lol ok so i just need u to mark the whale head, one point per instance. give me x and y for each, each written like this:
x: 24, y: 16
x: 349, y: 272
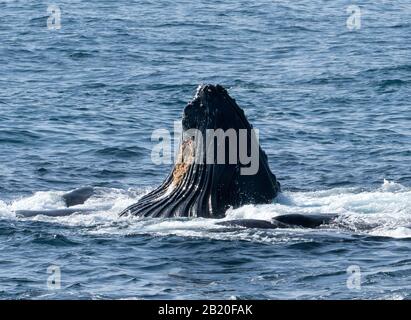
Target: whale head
x: 213, y: 108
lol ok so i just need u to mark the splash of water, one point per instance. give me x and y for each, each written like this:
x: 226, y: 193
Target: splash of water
x: 384, y: 211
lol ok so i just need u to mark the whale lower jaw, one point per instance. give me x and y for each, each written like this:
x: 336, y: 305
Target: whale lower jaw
x: 193, y: 196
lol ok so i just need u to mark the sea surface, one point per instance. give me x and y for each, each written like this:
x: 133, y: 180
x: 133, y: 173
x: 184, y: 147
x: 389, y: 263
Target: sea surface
x: 78, y: 106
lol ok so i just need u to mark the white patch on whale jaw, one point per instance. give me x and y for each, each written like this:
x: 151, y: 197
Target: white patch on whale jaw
x: 185, y: 159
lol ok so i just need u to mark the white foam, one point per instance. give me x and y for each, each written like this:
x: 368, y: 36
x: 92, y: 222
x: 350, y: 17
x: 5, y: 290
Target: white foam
x: 384, y: 211
x: 39, y: 201
x: 5, y: 211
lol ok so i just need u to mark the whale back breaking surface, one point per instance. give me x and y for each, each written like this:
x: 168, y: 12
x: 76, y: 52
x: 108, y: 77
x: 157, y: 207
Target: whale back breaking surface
x: 198, y: 187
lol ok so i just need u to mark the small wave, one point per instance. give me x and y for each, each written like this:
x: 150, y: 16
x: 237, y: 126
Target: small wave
x: 78, y: 55
x: 122, y: 152
x: 296, y: 28
x: 391, y: 83
x: 17, y: 136
x: 57, y: 240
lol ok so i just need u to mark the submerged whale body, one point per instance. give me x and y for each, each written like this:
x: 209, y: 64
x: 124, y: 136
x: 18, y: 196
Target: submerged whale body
x: 198, y: 188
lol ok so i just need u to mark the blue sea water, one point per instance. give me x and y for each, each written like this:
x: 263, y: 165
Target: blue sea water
x: 78, y: 106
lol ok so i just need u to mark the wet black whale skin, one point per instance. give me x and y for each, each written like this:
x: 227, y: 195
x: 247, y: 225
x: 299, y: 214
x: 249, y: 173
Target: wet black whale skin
x: 294, y: 220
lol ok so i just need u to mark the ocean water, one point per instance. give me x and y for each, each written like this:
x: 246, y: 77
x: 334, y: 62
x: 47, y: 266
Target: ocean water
x: 78, y: 106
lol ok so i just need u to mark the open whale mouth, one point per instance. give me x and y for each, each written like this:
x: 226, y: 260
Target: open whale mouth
x: 220, y: 163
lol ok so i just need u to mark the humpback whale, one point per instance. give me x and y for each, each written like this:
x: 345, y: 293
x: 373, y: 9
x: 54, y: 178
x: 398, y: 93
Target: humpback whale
x: 200, y: 185
x: 205, y: 187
